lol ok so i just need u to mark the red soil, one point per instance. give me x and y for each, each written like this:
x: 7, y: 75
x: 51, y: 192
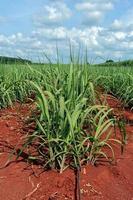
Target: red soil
x: 21, y: 181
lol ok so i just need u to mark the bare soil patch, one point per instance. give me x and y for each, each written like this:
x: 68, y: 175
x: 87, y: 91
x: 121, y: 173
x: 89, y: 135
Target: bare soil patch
x: 20, y: 180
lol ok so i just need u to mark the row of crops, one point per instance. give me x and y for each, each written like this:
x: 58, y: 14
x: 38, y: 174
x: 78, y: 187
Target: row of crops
x: 72, y: 121
x: 14, y: 80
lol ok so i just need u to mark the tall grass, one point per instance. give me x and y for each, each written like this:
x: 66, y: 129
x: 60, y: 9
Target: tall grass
x: 67, y: 102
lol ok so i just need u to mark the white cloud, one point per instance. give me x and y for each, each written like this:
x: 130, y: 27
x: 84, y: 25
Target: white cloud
x: 94, y: 6
x: 24, y: 46
x: 117, y: 24
x: 52, y: 14
x: 115, y: 41
x: 120, y: 35
x: 100, y: 41
x: 94, y: 10
x: 4, y: 41
x: 86, y: 36
x: 51, y: 34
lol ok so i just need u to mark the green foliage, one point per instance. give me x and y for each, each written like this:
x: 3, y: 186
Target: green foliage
x: 10, y: 60
x: 67, y: 102
x: 111, y: 63
x: 116, y: 81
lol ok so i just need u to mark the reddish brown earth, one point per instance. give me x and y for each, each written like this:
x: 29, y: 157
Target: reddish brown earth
x: 21, y: 181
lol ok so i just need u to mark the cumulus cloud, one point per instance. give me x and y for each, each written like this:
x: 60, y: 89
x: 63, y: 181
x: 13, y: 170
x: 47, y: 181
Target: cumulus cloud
x: 52, y: 14
x: 24, y: 46
x: 124, y: 22
x: 115, y: 39
x: 100, y: 41
x: 117, y: 24
x: 95, y: 5
x: 87, y: 36
x: 94, y: 10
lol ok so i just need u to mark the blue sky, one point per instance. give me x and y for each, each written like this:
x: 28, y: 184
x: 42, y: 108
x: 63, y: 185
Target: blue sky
x: 30, y: 27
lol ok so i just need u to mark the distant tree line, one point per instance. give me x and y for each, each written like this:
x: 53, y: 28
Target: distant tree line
x: 111, y: 63
x: 11, y: 60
